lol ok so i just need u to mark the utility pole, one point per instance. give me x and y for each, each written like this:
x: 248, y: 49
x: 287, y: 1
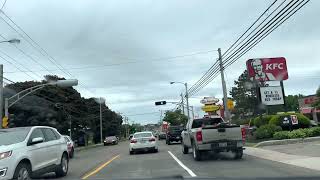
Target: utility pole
x: 192, y: 112
x: 1, y: 94
x: 187, y: 98
x: 224, y: 88
x: 182, y: 103
x: 101, y: 138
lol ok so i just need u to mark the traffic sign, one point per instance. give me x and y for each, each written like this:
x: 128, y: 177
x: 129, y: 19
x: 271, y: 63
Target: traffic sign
x: 230, y: 104
x: 210, y: 108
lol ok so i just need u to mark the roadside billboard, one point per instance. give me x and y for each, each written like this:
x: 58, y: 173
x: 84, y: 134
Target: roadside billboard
x: 271, y: 95
x: 267, y: 69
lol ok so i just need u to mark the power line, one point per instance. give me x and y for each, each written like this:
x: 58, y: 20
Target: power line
x: 131, y: 62
x: 198, y: 85
x: 214, y: 74
x: 15, y: 65
x: 5, y: 1
x: 275, y: 26
x: 225, y: 53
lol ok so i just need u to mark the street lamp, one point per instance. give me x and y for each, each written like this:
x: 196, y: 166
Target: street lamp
x: 100, y: 100
x: 1, y: 80
x: 13, y: 41
x: 26, y: 92
x: 187, y: 96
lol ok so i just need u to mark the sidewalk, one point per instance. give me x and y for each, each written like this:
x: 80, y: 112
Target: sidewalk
x: 310, y: 162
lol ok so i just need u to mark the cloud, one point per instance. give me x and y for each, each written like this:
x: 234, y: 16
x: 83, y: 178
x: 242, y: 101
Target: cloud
x: 126, y: 44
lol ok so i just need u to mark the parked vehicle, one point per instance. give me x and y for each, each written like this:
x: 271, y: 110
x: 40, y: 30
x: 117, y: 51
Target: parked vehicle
x: 212, y: 134
x: 110, y: 140
x: 26, y: 152
x: 143, y: 141
x: 70, y: 145
x: 174, y: 134
x: 162, y: 135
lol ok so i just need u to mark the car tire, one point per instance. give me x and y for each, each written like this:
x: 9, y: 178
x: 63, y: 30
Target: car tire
x: 71, y: 153
x: 63, y: 167
x: 131, y: 152
x: 196, y: 153
x: 185, y: 149
x: 238, y: 154
x: 156, y: 150
x: 169, y: 142
x: 22, y: 172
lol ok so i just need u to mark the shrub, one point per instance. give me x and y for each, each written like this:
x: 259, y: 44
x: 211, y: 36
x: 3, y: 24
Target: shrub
x: 260, y: 122
x: 266, y: 131
x: 303, y: 120
x: 281, y: 135
x: 298, y: 133
x: 315, y: 131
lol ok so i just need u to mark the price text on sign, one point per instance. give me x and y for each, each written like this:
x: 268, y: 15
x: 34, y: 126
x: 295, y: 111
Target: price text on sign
x: 271, y: 95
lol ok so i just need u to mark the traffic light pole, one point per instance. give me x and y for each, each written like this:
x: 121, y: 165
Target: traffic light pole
x: 224, y: 88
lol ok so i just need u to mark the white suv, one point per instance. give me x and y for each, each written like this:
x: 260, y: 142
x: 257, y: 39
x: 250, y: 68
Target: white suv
x: 26, y: 152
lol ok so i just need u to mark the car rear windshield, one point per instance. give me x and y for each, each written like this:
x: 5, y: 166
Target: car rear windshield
x: 175, y: 129
x: 142, y: 135
x: 197, y: 123
x: 13, y: 135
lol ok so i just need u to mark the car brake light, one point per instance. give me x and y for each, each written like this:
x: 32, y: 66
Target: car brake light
x: 243, y: 133
x: 133, y: 141
x: 199, y: 136
x: 152, y: 139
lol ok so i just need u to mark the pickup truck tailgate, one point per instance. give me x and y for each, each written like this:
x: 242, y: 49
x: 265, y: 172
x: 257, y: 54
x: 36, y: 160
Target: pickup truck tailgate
x: 226, y: 132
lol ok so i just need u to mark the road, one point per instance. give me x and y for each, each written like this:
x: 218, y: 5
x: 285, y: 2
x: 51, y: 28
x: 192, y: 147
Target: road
x: 114, y: 162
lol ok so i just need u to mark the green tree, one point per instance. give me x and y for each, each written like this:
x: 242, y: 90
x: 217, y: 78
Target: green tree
x: 56, y: 107
x: 245, y: 96
x: 317, y: 103
x: 175, y: 117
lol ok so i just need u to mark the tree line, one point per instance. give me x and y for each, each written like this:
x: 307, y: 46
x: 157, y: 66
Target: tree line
x: 62, y: 108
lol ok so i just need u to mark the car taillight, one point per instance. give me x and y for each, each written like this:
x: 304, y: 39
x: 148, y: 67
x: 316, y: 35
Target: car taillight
x: 152, y: 139
x: 199, y: 136
x: 243, y: 133
x: 133, y: 141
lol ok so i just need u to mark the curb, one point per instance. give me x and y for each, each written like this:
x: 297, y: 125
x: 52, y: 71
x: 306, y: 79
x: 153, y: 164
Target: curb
x: 77, y: 149
x: 287, y: 141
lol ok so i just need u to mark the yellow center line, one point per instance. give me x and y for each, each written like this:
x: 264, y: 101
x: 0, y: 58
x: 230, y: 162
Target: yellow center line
x: 99, y: 168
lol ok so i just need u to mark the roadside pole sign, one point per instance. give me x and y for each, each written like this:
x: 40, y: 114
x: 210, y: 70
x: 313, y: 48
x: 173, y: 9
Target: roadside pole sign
x: 267, y: 69
x: 209, y: 100
x: 294, y: 119
x: 271, y: 95
x: 230, y: 104
x: 210, y: 108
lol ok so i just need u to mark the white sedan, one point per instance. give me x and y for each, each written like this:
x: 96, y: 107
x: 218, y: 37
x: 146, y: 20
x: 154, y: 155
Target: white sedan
x: 143, y: 141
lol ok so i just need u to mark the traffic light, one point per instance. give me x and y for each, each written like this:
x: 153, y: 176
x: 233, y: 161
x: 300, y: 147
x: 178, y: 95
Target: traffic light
x: 160, y: 103
x: 5, y: 122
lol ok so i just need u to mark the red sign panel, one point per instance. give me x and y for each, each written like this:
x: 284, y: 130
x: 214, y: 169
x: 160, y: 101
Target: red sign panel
x: 268, y: 69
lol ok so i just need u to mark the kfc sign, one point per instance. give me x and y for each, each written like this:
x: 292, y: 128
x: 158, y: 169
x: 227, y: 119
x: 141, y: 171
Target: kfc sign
x: 267, y: 69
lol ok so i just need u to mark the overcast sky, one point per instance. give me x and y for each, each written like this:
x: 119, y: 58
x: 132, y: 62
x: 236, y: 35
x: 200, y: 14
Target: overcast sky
x: 121, y: 50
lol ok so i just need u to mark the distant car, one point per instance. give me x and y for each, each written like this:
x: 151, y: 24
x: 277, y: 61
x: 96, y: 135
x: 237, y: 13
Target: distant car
x: 70, y: 145
x: 162, y: 135
x: 143, y: 141
x: 26, y: 152
x: 174, y: 134
x: 110, y: 140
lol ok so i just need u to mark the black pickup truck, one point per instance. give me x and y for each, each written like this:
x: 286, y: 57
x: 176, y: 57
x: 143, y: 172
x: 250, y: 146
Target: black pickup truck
x: 174, y: 134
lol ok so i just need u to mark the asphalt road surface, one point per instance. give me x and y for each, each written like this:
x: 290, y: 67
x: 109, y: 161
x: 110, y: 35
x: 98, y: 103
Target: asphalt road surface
x: 114, y: 162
